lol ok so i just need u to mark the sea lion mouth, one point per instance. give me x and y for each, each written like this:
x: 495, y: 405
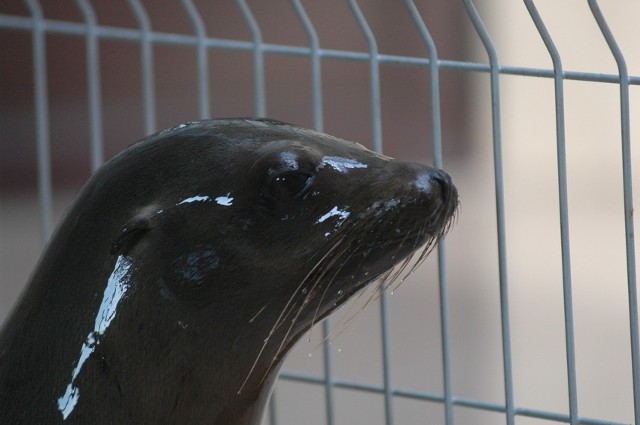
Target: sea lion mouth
x: 377, y: 244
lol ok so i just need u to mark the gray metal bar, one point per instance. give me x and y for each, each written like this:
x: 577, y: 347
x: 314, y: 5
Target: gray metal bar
x: 316, y: 72
x: 93, y: 85
x: 625, y: 137
x: 148, y: 83
x: 202, y: 58
x: 328, y: 372
x: 374, y: 74
x: 258, y: 58
x: 386, y: 356
x: 434, y: 80
x: 435, y: 398
x: 133, y: 35
x: 41, y: 93
x: 318, y: 124
x: 437, y: 157
x: 376, y: 123
x: 273, y: 419
x: 564, y: 210
x: 500, y: 214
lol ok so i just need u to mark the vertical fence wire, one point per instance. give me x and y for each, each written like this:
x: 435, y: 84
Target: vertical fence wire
x: 434, y: 80
x: 148, y: 82
x: 564, y: 209
x: 318, y: 125
x: 376, y: 122
x: 374, y: 74
x: 482, y: 32
x: 625, y: 134
x: 258, y: 58
x: 96, y: 142
x: 273, y: 418
x: 436, y: 128
x: 202, y: 58
x: 41, y: 93
x: 316, y: 71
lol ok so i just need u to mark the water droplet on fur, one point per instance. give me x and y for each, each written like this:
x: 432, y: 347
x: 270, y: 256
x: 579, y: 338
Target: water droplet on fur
x: 308, y: 339
x: 392, y: 292
x: 340, y: 292
x: 304, y: 290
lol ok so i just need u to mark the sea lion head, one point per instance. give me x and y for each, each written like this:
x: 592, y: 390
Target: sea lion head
x: 277, y: 216
x: 280, y: 220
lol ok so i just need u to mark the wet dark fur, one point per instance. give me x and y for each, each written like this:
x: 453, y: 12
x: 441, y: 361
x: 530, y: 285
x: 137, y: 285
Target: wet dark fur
x: 239, y: 236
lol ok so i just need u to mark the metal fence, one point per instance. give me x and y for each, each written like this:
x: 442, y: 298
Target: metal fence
x: 493, y: 69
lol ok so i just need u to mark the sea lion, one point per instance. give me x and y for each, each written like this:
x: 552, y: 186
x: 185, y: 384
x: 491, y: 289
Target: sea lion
x: 190, y: 263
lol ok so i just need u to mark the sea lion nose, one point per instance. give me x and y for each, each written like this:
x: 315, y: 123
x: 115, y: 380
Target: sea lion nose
x: 437, y: 184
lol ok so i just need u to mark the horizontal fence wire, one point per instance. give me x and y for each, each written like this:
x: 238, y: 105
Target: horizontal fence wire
x: 437, y: 398
x: 160, y: 38
x: 39, y: 27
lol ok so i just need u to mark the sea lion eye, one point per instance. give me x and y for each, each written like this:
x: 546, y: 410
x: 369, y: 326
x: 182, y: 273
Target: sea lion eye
x: 290, y: 184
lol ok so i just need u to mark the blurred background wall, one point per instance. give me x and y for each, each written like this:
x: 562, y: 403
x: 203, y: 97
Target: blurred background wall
x: 528, y: 131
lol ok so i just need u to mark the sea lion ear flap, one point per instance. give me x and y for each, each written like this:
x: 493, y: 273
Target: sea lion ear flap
x: 132, y: 231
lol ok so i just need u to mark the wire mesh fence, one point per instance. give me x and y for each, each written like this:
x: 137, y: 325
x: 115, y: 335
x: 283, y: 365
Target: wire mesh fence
x: 39, y: 24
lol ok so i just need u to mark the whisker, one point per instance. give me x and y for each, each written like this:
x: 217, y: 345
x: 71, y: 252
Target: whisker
x: 259, y: 312
x: 271, y: 332
x: 326, y: 289
x: 345, y: 320
x: 419, y: 241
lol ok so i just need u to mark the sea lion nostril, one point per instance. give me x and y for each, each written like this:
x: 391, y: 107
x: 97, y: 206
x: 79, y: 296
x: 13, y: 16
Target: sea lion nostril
x: 436, y: 183
x: 444, y: 183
